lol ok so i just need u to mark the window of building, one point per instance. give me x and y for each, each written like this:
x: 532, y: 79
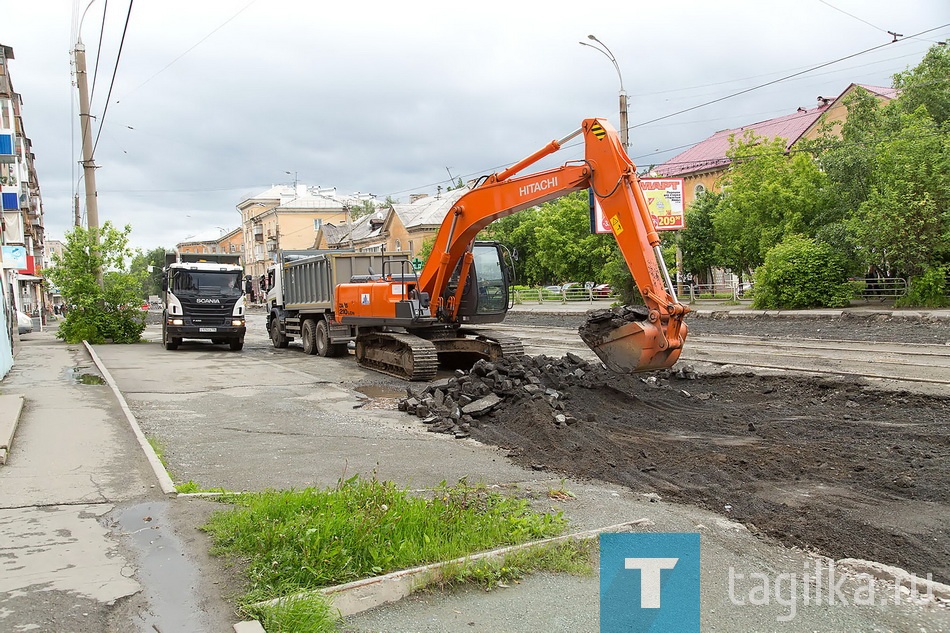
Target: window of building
x: 699, y: 189
x: 317, y: 223
x: 398, y: 246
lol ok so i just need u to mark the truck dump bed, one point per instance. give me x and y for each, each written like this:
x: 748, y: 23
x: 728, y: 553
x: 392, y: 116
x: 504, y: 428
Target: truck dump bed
x: 309, y: 281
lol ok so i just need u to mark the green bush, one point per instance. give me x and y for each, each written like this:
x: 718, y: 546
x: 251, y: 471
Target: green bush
x: 801, y: 273
x: 928, y: 290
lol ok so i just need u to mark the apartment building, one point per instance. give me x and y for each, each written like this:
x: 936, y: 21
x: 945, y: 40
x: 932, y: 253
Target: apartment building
x: 21, y: 222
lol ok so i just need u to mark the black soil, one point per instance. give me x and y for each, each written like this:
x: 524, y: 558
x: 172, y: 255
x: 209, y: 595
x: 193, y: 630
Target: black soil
x: 834, y: 467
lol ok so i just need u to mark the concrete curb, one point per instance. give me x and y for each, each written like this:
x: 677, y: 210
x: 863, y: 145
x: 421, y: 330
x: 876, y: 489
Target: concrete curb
x: 361, y: 595
x: 915, y: 585
x: 168, y: 486
x: 10, y: 408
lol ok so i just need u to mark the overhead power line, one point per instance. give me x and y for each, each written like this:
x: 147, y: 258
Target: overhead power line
x: 193, y: 47
x: 95, y: 72
x: 780, y: 79
x: 828, y: 4
x: 118, y: 56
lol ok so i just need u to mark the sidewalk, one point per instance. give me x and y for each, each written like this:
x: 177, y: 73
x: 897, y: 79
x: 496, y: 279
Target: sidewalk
x: 73, y: 475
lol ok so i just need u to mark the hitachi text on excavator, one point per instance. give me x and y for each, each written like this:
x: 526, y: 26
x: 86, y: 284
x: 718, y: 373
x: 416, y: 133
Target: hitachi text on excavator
x: 405, y: 322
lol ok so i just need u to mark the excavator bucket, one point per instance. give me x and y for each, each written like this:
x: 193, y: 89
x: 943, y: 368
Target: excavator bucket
x: 626, y: 341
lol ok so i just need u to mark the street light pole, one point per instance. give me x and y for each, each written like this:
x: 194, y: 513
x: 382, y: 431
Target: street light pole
x: 623, y: 94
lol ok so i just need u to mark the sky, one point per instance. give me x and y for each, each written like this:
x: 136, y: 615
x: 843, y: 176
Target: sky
x: 217, y: 100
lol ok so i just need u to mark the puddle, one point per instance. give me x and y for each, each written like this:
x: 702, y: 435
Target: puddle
x: 381, y: 396
x: 378, y: 392
x: 75, y: 374
x: 164, y: 568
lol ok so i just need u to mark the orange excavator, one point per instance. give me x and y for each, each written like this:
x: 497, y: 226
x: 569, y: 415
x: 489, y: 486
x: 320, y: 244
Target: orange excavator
x: 406, y: 322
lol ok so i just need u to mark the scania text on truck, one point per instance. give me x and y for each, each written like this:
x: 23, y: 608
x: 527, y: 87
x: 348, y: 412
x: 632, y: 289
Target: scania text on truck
x: 203, y: 298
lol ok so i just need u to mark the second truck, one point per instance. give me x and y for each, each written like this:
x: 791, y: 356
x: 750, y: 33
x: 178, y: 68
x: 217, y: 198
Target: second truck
x: 405, y: 323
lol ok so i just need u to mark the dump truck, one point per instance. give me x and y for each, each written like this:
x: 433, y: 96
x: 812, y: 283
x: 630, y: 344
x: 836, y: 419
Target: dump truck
x: 203, y: 298
x: 300, y: 295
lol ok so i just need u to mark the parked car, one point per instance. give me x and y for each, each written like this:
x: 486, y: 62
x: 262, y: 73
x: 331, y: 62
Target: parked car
x: 24, y: 322
x: 553, y: 289
x: 602, y: 291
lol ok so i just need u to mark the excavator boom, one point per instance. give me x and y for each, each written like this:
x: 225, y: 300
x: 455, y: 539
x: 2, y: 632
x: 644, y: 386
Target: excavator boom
x: 632, y: 340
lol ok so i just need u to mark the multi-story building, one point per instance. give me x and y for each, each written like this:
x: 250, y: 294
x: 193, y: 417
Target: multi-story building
x: 231, y: 242
x: 288, y: 218
x: 21, y: 226
x: 401, y: 227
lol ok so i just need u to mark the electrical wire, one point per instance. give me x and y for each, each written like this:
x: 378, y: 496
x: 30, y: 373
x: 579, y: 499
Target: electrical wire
x: 193, y: 47
x: 118, y: 57
x: 775, y: 81
x: 853, y: 16
x: 95, y: 72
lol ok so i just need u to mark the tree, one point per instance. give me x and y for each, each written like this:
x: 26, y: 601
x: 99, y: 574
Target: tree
x: 770, y: 194
x: 927, y: 85
x: 892, y: 172
x: 698, y: 239
x: 98, y: 314
x: 564, y: 247
x: 151, y: 281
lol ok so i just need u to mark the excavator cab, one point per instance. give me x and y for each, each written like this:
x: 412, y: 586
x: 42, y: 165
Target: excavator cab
x: 485, y: 296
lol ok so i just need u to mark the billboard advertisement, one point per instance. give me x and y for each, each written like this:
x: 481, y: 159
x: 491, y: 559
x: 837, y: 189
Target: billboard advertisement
x: 664, y: 198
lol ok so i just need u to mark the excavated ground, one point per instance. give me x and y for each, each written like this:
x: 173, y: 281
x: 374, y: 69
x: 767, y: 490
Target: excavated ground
x: 829, y: 466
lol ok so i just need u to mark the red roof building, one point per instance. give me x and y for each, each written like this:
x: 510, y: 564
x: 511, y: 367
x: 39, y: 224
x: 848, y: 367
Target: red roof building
x: 702, y: 164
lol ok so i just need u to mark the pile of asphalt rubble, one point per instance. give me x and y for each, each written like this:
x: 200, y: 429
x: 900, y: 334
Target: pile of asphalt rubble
x: 454, y: 405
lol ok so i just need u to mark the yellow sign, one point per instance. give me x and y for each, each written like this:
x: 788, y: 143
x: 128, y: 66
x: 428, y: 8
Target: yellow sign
x: 615, y: 223
x: 664, y: 198
x: 597, y: 130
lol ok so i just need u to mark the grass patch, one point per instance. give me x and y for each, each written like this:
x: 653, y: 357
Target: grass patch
x: 159, y: 449
x: 296, y: 541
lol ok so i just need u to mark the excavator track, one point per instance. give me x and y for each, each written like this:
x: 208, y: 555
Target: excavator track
x: 502, y: 346
x: 401, y: 355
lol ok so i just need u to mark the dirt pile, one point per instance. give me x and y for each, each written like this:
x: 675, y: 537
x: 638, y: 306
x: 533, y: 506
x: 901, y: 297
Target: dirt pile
x: 454, y: 405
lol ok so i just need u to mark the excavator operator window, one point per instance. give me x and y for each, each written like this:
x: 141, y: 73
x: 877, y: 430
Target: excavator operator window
x: 490, y: 278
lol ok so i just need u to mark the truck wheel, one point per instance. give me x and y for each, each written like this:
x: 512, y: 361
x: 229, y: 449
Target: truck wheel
x: 169, y: 343
x: 324, y: 346
x: 276, y: 338
x: 236, y: 344
x: 308, y: 337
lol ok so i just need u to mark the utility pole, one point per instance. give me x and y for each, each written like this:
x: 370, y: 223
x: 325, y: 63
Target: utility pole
x: 606, y: 52
x: 77, y: 219
x: 88, y: 162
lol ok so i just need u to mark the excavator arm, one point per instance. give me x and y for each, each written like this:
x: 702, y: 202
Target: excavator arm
x: 654, y: 337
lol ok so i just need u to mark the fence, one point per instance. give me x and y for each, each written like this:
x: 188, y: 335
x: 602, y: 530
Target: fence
x: 871, y: 289
x: 879, y: 288
x: 572, y: 294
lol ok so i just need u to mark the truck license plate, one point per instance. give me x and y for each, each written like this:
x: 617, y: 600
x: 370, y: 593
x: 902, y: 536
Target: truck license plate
x: 207, y: 329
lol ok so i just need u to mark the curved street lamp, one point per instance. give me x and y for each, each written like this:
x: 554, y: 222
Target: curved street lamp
x: 623, y: 95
